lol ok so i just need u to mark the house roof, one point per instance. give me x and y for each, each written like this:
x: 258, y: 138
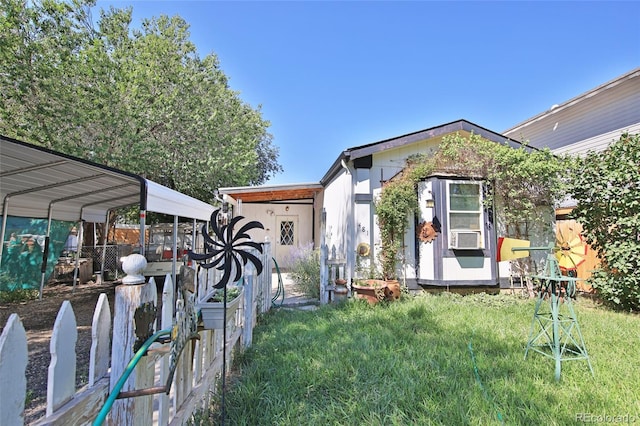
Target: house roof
x: 361, y: 151
x: 38, y: 182
x: 591, y: 120
x: 273, y: 193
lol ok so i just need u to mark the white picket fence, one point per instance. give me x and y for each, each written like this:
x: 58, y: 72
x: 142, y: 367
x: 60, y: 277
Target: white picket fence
x: 197, y: 370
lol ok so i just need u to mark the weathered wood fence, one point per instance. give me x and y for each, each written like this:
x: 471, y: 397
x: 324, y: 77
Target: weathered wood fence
x: 196, y: 370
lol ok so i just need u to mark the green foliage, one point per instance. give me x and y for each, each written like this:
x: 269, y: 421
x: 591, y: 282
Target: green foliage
x: 139, y: 99
x: 304, y: 266
x: 607, y: 190
x: 394, y: 207
x: 520, y: 180
x: 218, y: 295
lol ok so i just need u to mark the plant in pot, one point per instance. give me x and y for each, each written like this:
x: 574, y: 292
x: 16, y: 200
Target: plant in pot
x: 396, y: 203
x: 212, y: 308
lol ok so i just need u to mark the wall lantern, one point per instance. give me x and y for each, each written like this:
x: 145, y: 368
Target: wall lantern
x: 430, y: 203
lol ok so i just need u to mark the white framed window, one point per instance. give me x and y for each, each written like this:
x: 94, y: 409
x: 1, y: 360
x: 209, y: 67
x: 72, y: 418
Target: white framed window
x: 465, y: 215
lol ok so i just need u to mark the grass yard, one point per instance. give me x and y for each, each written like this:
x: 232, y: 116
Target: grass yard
x: 431, y: 360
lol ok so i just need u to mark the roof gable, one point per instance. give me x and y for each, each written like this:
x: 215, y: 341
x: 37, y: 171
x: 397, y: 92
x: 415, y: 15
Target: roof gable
x: 354, y: 153
x: 608, y: 109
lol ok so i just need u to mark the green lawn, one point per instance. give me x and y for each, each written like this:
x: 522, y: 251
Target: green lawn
x: 442, y: 360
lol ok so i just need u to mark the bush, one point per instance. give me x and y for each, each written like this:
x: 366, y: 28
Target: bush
x: 304, y: 264
x: 607, y: 189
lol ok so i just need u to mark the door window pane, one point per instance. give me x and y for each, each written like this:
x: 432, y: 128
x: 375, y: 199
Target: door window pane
x: 286, y: 233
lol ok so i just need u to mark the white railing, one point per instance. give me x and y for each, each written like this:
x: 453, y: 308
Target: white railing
x: 196, y: 370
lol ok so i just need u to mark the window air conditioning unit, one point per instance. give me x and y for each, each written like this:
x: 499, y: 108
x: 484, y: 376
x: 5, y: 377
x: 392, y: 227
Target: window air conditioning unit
x: 465, y: 240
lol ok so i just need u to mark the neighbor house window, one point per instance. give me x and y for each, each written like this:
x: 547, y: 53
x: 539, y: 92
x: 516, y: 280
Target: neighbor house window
x: 465, y: 215
x: 286, y: 233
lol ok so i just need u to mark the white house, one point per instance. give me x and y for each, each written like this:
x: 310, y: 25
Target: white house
x: 458, y: 256
x: 289, y: 214
x: 588, y: 122
x: 464, y: 251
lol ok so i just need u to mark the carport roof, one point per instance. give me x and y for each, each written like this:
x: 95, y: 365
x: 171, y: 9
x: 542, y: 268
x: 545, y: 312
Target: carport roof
x: 38, y: 182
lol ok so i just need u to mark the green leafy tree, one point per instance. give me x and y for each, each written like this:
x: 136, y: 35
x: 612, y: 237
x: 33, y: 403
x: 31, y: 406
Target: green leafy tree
x: 139, y: 99
x: 607, y: 190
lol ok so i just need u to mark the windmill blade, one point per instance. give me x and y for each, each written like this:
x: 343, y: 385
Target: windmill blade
x: 576, y: 241
x: 506, y: 248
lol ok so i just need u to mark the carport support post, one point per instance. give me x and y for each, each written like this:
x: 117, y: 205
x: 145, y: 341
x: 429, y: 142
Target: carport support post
x: 45, y: 253
x: 143, y: 214
x: 4, y: 226
x: 104, y: 244
x: 174, y: 249
x: 76, y: 270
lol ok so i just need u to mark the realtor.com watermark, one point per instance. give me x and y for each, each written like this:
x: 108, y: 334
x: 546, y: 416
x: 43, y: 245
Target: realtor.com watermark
x: 607, y: 418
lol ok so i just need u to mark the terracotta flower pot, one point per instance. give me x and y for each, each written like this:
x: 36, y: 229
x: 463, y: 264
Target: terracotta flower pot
x: 372, y: 291
x: 393, y: 291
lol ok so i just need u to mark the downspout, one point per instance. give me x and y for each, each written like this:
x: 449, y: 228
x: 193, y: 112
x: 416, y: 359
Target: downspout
x: 351, y: 220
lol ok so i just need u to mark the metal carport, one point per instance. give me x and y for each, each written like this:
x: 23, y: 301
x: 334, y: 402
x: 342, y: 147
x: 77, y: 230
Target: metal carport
x: 40, y: 183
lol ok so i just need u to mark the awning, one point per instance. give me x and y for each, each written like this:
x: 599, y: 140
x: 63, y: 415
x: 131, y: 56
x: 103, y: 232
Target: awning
x: 41, y: 183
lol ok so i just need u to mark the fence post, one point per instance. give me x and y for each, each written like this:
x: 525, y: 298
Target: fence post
x: 127, y: 299
x: 249, y: 308
x: 61, y: 384
x: 100, y: 339
x: 13, y: 364
x: 166, y: 318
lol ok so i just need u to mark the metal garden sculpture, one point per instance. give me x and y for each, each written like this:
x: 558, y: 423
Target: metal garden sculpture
x: 227, y: 252
x: 555, y: 332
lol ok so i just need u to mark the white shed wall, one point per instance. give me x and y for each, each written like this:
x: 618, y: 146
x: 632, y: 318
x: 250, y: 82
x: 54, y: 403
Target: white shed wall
x: 337, y: 204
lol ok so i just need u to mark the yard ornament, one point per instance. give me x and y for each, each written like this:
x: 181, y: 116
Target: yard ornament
x: 555, y: 332
x: 227, y: 252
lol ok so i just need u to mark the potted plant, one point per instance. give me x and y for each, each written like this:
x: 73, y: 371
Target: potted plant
x: 212, y: 306
x: 397, y: 202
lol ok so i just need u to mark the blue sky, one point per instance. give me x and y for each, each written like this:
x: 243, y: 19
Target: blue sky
x: 330, y: 75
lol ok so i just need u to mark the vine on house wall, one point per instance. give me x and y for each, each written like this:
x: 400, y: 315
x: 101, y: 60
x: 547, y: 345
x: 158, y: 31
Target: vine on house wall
x: 520, y: 182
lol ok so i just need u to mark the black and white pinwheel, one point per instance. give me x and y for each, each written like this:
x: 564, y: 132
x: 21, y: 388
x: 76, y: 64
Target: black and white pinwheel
x: 227, y: 251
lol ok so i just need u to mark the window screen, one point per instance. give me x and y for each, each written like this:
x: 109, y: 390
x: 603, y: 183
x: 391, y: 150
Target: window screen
x: 465, y: 207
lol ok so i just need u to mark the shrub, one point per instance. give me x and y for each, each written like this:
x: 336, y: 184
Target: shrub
x: 304, y: 264
x: 607, y: 191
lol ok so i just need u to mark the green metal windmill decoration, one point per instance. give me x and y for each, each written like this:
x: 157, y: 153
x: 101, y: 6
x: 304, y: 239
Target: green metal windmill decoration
x: 555, y: 332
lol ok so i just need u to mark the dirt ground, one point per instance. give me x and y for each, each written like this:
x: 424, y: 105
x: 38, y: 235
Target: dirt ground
x: 38, y: 318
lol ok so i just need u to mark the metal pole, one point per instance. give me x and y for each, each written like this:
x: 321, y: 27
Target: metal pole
x: 104, y: 244
x: 76, y: 270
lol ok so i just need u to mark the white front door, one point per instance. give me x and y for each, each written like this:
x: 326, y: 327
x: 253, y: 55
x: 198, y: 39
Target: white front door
x: 286, y: 238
